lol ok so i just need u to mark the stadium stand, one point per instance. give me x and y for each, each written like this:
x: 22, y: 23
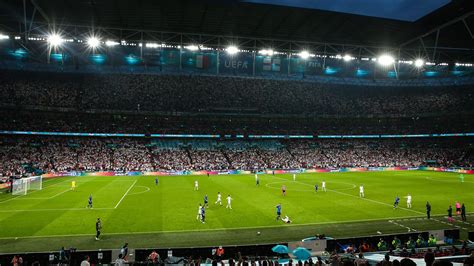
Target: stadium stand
x: 23, y: 155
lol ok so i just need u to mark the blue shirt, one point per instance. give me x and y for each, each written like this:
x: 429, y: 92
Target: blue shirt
x: 278, y: 208
x: 90, y: 199
x: 397, y: 199
x: 205, y: 198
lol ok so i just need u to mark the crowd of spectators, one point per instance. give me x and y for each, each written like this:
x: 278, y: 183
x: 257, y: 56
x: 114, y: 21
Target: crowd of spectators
x: 20, y: 155
x: 172, y: 93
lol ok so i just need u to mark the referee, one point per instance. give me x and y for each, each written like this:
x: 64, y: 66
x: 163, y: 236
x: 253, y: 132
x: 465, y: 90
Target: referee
x: 98, y: 226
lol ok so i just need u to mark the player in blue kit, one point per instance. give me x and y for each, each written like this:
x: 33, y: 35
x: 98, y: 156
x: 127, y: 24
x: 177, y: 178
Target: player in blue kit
x: 89, y: 205
x: 316, y: 188
x: 156, y: 181
x: 206, y: 201
x: 395, y: 204
x: 203, y: 215
x: 278, y: 207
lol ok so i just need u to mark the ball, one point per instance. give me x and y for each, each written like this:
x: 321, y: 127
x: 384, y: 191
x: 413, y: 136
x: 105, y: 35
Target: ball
x: 258, y: 233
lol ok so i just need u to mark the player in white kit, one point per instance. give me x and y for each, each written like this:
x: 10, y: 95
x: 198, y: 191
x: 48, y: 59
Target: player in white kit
x: 229, y: 199
x: 196, y: 185
x: 408, y: 201
x: 361, y: 191
x: 323, y: 186
x: 198, y: 217
x: 219, y: 199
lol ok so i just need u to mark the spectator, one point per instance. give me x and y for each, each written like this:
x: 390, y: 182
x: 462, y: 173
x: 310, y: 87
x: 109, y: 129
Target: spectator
x: 85, y: 262
x: 124, y: 251
x: 360, y: 261
x: 429, y: 257
x: 120, y: 261
x: 154, y: 257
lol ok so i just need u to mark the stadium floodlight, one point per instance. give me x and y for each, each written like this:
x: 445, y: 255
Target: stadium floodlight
x: 93, y: 42
x: 419, y: 62
x: 266, y: 52
x: 232, y: 50
x: 111, y: 43
x: 304, y: 54
x: 386, y: 60
x: 4, y: 37
x: 55, y: 40
x: 347, y: 57
x: 192, y: 47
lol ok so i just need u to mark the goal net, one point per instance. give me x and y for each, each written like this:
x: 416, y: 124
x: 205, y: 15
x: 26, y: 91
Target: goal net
x: 23, y: 185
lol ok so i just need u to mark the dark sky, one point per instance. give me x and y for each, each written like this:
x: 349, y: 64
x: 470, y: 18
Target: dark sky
x: 408, y: 10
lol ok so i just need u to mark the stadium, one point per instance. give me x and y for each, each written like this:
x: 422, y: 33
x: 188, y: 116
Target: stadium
x: 251, y: 132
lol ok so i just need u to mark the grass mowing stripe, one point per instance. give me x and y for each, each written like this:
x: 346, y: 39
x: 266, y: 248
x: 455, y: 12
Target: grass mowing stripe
x: 350, y: 195
x: 120, y: 201
x: 47, y: 210
x: 218, y: 229
x: 167, y: 211
x: 44, y: 187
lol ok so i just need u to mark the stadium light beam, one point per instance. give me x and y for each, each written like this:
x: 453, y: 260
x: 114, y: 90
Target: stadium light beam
x: 266, y: 52
x: 93, y: 42
x: 192, y: 47
x: 419, y: 62
x: 232, y: 50
x: 304, y: 54
x: 347, y: 58
x: 55, y: 40
x: 386, y: 60
x: 4, y: 37
x: 111, y: 43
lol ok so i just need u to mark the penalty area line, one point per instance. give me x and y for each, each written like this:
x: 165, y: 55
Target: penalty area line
x: 120, y: 201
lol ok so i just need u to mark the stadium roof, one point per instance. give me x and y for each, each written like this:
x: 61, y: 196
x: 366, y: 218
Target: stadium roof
x: 407, y: 10
x: 241, y: 18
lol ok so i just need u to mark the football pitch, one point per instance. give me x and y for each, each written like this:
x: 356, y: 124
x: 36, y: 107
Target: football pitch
x: 134, y: 209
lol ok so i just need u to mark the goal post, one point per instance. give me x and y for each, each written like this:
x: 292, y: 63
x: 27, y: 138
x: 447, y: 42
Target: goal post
x: 23, y: 185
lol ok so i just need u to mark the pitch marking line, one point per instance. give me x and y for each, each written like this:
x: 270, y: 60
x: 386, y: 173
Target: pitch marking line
x: 63, y: 209
x: 401, y: 225
x: 140, y: 192
x: 211, y: 229
x: 46, y: 198
x: 19, y: 196
x: 350, y: 195
x: 120, y: 201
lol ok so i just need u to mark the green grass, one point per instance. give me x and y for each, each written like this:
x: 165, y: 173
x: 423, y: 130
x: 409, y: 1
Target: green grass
x: 165, y: 215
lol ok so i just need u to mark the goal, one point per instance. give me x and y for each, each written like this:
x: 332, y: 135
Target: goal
x: 23, y: 185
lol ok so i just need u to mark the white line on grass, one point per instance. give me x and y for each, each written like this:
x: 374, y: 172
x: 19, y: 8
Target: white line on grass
x: 19, y: 196
x: 215, y: 229
x: 118, y: 203
x: 46, y: 198
x: 350, y: 195
x: 60, y: 209
x: 140, y: 192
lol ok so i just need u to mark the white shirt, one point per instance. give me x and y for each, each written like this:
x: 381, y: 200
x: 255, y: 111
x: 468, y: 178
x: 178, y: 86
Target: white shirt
x: 218, y: 196
x: 195, y: 183
x: 409, y: 198
x: 120, y: 262
x: 256, y: 177
x: 85, y: 263
x: 199, y: 209
x: 324, y: 184
x: 361, y: 189
x: 229, y: 199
